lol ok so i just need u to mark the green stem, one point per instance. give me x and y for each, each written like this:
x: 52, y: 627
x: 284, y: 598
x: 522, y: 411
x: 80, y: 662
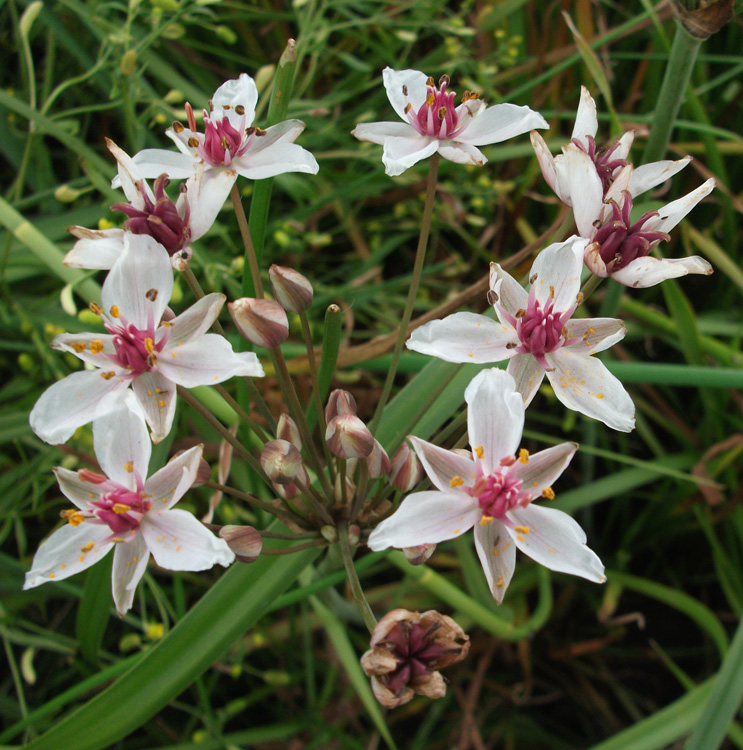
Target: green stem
x: 353, y: 579
x: 248, y: 498
x: 672, y: 92
x: 589, y: 287
x: 250, y: 255
x: 420, y: 256
x: 242, y: 413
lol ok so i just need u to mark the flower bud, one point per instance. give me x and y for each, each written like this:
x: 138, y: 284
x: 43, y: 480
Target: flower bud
x: 407, y: 650
x: 260, y: 321
x: 281, y: 461
x: 378, y: 462
x: 287, y: 429
x: 244, y: 541
x: 339, y: 402
x: 329, y: 533
x: 406, y: 469
x: 419, y: 554
x: 348, y: 437
x: 291, y: 289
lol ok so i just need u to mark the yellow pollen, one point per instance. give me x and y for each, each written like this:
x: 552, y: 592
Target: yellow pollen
x: 193, y: 142
x: 177, y: 127
x: 75, y: 519
x: 548, y: 493
x: 579, y: 298
x: 135, y: 558
x: 456, y: 481
x: 408, y: 107
x: 177, y: 548
x: 430, y: 99
x: 456, y: 531
x: 161, y: 404
x: 522, y: 529
x: 524, y: 456
x: 79, y: 347
x: 120, y: 508
x: 63, y: 566
x: 95, y: 309
x: 149, y: 345
x: 470, y: 354
x: 89, y: 546
x: 499, y: 582
x: 519, y: 537
x: 114, y: 311
x: 129, y: 466
x: 479, y: 452
x: 81, y: 558
x: 51, y: 575
x: 486, y: 520
x: 108, y: 375
x: 496, y: 551
x: 149, y: 393
x: 96, y: 346
x: 552, y: 292
x: 158, y: 390
x: 599, y: 395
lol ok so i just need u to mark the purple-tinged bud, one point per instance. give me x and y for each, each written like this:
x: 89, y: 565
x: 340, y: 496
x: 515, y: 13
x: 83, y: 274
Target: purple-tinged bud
x: 348, y: 437
x: 285, y: 491
x: 419, y: 554
x: 378, y: 462
x: 339, y: 402
x: 354, y: 534
x: 407, y: 650
x: 406, y: 469
x: 291, y: 289
x: 329, y: 533
x: 287, y: 429
x: 263, y: 322
x: 281, y: 461
x: 244, y: 541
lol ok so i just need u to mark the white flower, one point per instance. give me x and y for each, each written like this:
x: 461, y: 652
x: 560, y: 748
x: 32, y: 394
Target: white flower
x: 140, y: 350
x: 128, y: 513
x: 432, y: 122
x: 537, y: 332
x: 601, y: 185
x: 173, y: 225
x: 493, y: 491
x: 229, y: 144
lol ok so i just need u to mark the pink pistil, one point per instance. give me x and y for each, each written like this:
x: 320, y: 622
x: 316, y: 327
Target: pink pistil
x: 136, y: 349
x: 620, y: 242
x: 160, y: 219
x: 121, y: 509
x: 605, y: 165
x: 497, y: 493
x: 438, y: 116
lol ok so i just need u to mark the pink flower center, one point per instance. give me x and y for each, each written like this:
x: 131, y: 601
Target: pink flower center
x: 136, y: 348
x: 415, y: 650
x: 438, y: 116
x: 620, y: 241
x: 606, y: 166
x: 121, y: 509
x: 160, y: 219
x: 499, y: 492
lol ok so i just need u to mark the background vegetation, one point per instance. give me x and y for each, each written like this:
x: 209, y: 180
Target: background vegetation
x: 269, y: 660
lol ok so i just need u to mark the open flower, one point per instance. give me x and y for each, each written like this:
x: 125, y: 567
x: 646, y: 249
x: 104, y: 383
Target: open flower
x: 123, y: 510
x: 230, y: 144
x: 433, y: 122
x: 493, y: 491
x: 140, y: 350
x: 537, y: 332
x: 601, y: 184
x: 173, y: 225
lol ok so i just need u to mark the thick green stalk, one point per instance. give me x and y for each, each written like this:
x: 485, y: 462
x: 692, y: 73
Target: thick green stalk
x: 353, y: 579
x: 420, y: 257
x: 673, y: 89
x: 250, y: 256
x: 331, y: 342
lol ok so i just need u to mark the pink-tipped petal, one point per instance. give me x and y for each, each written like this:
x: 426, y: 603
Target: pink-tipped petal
x: 545, y: 159
x: 527, y: 375
x: 557, y: 269
x: 542, y: 469
x: 168, y: 485
x: 497, y: 556
x: 196, y: 321
x: 156, y: 396
x: 397, y: 82
x: 446, y: 469
x: 122, y: 445
x: 240, y: 91
x: 594, y: 334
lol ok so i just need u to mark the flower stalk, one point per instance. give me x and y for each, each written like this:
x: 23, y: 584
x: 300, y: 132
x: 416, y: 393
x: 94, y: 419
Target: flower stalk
x: 353, y: 579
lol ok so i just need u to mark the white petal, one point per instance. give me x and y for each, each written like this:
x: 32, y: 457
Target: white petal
x: 495, y: 417
x: 426, y: 518
x: 152, y: 162
x: 543, y: 468
x: 276, y: 159
x: 462, y: 153
x: 558, y: 268
x: 499, y: 123
x: 61, y: 555
x: 412, y: 80
x: 595, y: 334
x: 593, y: 260
x: 556, y: 541
x: 401, y: 153
x: 545, y: 158
x: 511, y: 295
x: 130, y: 563
x: 625, y: 144
x: 649, y: 175
x: 283, y: 132
x: 379, y: 132
x: 620, y: 184
x: 102, y: 342
x: 179, y: 542
x: 195, y: 321
x: 671, y: 215
x: 131, y: 180
x: 648, y: 271
x: 442, y: 466
x: 99, y: 251
x: 464, y: 337
x: 527, y: 374
x: 77, y: 490
x: 167, y: 486
x: 586, y: 121
x: 140, y: 283
x: 585, y: 385
x: 579, y: 186
x: 207, y: 191
x: 237, y: 91
x: 122, y: 445
x: 156, y: 396
x: 78, y: 399
x: 497, y: 556
x: 206, y: 360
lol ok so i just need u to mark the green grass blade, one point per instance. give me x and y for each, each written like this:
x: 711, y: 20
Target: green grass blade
x: 93, y: 610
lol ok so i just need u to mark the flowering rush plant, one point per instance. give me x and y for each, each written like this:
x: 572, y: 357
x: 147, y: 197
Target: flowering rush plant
x: 319, y: 470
